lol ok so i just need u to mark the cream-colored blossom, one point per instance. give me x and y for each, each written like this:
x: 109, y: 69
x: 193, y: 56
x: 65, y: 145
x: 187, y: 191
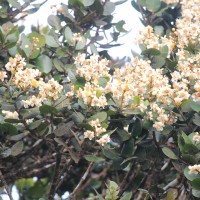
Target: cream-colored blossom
x: 196, y: 137
x: 25, y: 79
x: 104, y: 139
x: 77, y: 37
x: 10, y: 115
x: 3, y: 75
x: 89, y: 134
x: 195, y: 169
x: 15, y: 63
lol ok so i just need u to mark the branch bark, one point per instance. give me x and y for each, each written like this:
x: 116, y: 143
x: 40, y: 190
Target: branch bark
x: 6, y: 186
x: 73, y: 194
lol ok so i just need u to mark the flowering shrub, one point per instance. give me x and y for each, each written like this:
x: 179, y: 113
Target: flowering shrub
x: 128, y: 130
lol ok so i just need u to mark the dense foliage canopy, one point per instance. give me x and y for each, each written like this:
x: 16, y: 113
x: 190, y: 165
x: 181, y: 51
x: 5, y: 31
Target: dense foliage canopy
x: 74, y: 121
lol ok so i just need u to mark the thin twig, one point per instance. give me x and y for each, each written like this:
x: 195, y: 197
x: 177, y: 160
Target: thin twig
x: 155, y: 141
x: 124, y: 182
x: 6, y: 186
x: 55, y: 178
x: 73, y: 194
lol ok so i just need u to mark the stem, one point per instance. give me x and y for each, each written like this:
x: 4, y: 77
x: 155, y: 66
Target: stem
x: 6, y: 186
x: 55, y: 178
x: 73, y: 194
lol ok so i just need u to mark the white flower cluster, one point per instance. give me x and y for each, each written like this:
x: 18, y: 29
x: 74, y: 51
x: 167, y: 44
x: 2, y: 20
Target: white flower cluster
x: 47, y: 91
x: 10, y: 115
x: 25, y: 79
x: 77, y: 37
x: 196, y: 137
x: 97, y: 132
x: 92, y: 70
x: 195, y: 169
x: 148, y: 38
x: 3, y: 75
x: 138, y: 80
x: 15, y: 63
x: 188, y: 29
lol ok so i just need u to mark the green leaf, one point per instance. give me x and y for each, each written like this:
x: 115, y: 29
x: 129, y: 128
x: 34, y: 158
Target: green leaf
x: 120, y: 2
x: 87, y: 3
x: 92, y: 158
x: 5, y: 152
x: 159, y: 30
x: 158, y: 62
x: 153, y: 5
x: 68, y: 34
x: 186, y: 138
x: 171, y: 64
x: 196, y: 183
x: 18, y: 136
x: 195, y: 105
x: 15, y: 4
x: 189, y: 158
x: 54, y: 21
x: 135, y: 5
x: 42, y: 129
x: 63, y: 129
x: 77, y: 117
x: 46, y: 109
x: 25, y: 46
x: 190, y: 148
x: 128, y: 148
x: 101, y: 116
x: 124, y: 135
x: 127, y: 196
x: 119, y: 26
x: 169, y: 153
x: 81, y: 44
x: 136, y: 128
x: 142, y: 2
x: 13, y: 36
x: 102, y: 82
x: 151, y: 51
x: 164, y: 51
x: 44, y: 63
x: 58, y: 65
x: 17, y: 148
x: 35, y: 124
x: 93, y: 49
x: 109, y: 7
x: 50, y: 41
x: 196, y: 193
x: 7, y: 128
x: 111, y: 154
x: 196, y: 119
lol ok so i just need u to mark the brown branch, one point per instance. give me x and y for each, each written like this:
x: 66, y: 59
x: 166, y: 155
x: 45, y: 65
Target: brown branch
x: 65, y: 171
x: 100, y: 175
x: 24, y: 6
x: 55, y: 178
x: 124, y: 181
x: 32, y: 169
x: 73, y: 194
x: 6, y: 186
x: 143, y: 15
